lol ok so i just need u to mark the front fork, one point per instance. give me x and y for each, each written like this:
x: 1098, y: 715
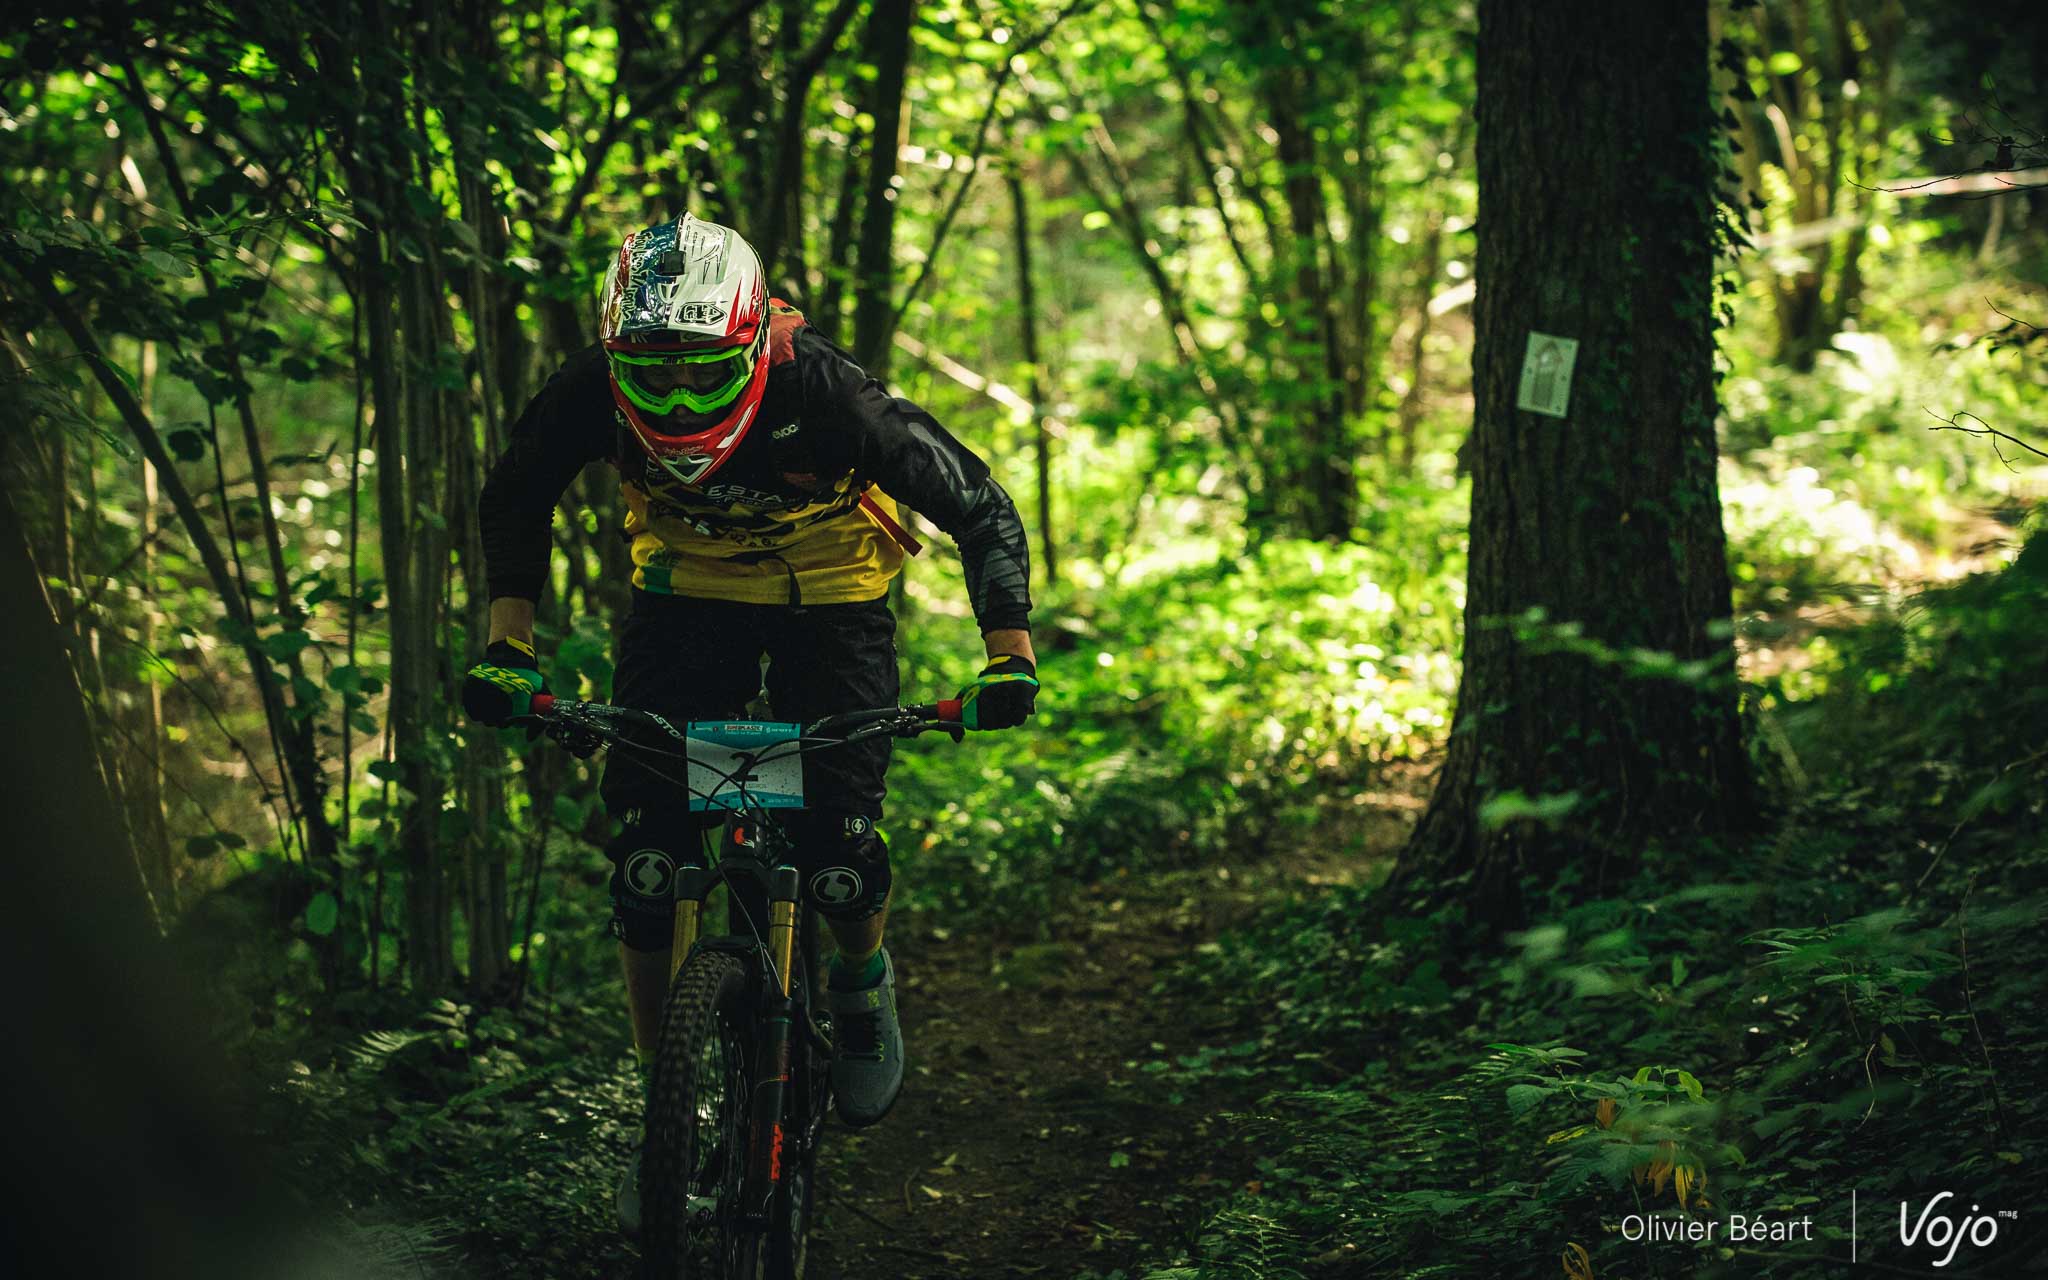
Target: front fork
x: 771, y: 1070
x: 770, y: 1074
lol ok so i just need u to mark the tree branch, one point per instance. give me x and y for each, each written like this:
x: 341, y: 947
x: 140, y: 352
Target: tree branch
x: 1955, y: 423
x: 973, y: 166
x: 615, y: 125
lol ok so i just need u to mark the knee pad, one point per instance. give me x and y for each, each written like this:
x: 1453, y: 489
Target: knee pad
x: 844, y: 862
x: 650, y: 846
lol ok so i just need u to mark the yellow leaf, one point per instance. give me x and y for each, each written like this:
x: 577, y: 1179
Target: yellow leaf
x: 1681, y: 1178
x: 1578, y: 1265
x: 1660, y: 1173
x: 1604, y: 1113
x: 1566, y: 1135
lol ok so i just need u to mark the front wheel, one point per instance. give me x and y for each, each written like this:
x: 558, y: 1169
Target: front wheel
x: 694, y: 1163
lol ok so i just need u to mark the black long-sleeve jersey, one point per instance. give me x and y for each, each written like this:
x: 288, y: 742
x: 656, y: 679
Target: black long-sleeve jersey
x: 802, y: 513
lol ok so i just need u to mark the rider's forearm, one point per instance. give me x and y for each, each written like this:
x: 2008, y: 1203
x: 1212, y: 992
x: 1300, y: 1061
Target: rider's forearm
x: 1009, y: 640
x: 549, y: 444
x: 512, y: 619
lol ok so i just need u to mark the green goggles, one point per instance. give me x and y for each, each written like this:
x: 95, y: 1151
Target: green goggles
x: 700, y: 381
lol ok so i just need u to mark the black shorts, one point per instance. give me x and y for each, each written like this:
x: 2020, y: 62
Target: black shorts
x: 691, y: 659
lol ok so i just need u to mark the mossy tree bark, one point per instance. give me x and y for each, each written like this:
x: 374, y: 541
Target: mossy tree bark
x: 1597, y: 165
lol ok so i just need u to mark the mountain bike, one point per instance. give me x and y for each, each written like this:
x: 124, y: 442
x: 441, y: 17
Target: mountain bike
x: 741, y: 1082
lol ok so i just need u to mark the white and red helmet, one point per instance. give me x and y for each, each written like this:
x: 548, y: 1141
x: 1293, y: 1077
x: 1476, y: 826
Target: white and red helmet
x: 684, y: 323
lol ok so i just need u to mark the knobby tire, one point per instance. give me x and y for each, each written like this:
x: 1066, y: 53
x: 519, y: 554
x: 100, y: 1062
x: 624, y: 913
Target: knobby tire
x: 697, y: 1126
x: 708, y: 1013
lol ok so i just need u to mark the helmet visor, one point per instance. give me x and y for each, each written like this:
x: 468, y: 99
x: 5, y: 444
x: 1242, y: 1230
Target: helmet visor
x: 698, y: 381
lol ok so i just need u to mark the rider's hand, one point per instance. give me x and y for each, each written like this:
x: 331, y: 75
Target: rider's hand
x: 500, y: 689
x: 1002, y: 696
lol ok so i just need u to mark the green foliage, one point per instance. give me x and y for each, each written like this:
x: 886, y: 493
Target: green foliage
x: 510, y: 1094
x: 1179, y: 721
x: 1877, y: 1025
x: 1832, y: 480
x: 1949, y: 685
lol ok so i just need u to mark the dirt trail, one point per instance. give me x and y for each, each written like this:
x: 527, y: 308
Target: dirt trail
x: 1028, y: 1140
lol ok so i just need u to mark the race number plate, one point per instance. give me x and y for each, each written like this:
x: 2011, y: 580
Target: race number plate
x: 721, y: 777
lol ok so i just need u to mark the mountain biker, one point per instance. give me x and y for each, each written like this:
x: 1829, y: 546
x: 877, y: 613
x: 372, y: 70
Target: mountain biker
x: 760, y: 468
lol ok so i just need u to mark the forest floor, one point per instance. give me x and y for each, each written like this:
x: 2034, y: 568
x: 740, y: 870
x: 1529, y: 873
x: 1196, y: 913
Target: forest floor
x: 1030, y: 1140
x: 1064, y: 1113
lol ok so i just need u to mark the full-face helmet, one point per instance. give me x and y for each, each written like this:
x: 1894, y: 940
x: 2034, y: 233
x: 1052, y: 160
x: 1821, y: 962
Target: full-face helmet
x: 684, y: 324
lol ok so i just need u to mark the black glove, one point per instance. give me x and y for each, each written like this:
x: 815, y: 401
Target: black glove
x: 500, y: 689
x: 1002, y: 696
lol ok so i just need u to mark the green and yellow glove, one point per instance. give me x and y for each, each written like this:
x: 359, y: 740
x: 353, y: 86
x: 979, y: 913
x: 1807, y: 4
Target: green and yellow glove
x: 500, y: 689
x: 1002, y: 696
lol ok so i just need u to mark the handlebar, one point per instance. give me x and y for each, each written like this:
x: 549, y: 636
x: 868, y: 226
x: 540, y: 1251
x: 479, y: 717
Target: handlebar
x: 923, y: 717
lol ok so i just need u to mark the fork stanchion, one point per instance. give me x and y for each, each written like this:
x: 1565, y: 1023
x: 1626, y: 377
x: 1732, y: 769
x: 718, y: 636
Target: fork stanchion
x: 782, y: 922
x: 693, y: 883
x: 771, y: 1079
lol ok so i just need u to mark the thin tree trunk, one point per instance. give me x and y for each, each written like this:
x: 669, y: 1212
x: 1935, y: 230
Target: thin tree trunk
x: 1324, y: 445
x: 414, y: 559
x: 150, y: 823
x: 1116, y: 198
x: 1034, y: 384
x: 307, y: 780
x: 1198, y: 134
x: 481, y: 786
x: 415, y: 632
x: 1409, y: 416
x: 1848, y: 299
x: 782, y: 243
x: 234, y: 603
x: 875, y: 267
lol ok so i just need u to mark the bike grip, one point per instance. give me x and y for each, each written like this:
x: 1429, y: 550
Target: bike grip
x: 948, y: 710
x: 543, y: 703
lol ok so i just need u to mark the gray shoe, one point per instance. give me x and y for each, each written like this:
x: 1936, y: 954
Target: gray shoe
x: 629, y: 1197
x: 867, y: 1048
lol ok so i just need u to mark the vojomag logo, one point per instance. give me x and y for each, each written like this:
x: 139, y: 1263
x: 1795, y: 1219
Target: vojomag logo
x: 1934, y: 1228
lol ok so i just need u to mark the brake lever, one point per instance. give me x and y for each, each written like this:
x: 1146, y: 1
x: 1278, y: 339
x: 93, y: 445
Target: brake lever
x: 574, y: 738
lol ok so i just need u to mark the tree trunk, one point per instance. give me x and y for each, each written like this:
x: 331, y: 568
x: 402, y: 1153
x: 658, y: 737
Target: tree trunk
x: 1034, y: 379
x: 146, y: 798
x: 1596, y: 197
x: 875, y: 268
x: 414, y: 552
x: 1323, y: 447
x: 415, y: 645
x: 781, y: 237
x: 226, y: 583
x: 126, y: 1097
x: 306, y: 777
x: 1409, y: 416
x: 831, y: 291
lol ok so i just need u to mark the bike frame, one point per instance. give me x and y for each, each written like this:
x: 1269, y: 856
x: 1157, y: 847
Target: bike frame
x: 769, y: 959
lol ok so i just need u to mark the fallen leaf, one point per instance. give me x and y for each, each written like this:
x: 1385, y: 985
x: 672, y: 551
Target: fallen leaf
x: 1578, y: 1265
